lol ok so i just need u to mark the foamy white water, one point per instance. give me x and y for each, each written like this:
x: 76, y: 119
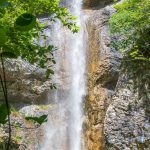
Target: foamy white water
x: 63, y: 130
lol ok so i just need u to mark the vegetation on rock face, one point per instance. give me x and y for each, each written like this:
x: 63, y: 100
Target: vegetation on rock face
x: 20, y: 27
x: 131, y: 23
x: 130, y: 26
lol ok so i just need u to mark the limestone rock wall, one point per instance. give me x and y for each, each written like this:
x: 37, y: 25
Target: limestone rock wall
x: 26, y: 83
x: 103, y: 70
x: 127, y: 123
x: 116, y: 119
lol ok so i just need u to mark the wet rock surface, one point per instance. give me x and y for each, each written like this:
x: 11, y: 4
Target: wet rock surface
x: 103, y: 72
x: 115, y: 118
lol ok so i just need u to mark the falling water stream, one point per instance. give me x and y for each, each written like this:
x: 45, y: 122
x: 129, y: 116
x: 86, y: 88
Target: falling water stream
x: 63, y: 130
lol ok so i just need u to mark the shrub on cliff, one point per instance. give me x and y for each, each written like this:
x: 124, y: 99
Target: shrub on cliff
x: 131, y: 23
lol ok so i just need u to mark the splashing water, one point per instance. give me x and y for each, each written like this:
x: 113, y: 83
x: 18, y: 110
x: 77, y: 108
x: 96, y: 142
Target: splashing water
x: 63, y: 131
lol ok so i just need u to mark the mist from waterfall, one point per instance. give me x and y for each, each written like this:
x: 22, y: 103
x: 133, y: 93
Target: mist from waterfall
x: 63, y: 131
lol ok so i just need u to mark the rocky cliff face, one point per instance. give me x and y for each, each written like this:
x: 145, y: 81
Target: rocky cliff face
x: 27, y: 86
x: 115, y: 118
x: 127, y: 123
x: 26, y: 83
x: 103, y: 71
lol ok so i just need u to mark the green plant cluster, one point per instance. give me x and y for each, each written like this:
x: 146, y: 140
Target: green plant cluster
x: 4, y: 116
x: 23, y: 122
x: 20, y: 26
x: 130, y: 26
x: 131, y: 23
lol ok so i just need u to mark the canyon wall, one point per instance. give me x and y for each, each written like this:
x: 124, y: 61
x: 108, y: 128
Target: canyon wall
x: 102, y: 70
x: 115, y: 117
x: 26, y: 83
x: 127, y: 120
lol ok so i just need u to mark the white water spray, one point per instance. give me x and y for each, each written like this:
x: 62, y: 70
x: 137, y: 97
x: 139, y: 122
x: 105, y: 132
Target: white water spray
x: 64, y: 128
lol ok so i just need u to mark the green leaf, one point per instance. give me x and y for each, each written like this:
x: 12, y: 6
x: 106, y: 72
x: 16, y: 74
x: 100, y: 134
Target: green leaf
x: 2, y: 1
x: 53, y: 86
x: 3, y: 114
x: 4, y: 4
x: 3, y: 37
x: 8, y: 54
x: 40, y: 120
x: 54, y: 62
x: 50, y: 47
x: 25, y: 22
x: 18, y: 139
x: 48, y: 72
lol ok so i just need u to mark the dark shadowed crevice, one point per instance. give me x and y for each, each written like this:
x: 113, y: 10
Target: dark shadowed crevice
x: 96, y: 4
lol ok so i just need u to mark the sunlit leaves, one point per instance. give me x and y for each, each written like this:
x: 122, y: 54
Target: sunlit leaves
x: 3, y: 36
x: 23, y: 30
x: 130, y: 27
x: 132, y: 23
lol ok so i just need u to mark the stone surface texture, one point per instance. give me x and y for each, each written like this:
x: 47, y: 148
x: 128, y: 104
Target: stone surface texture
x: 102, y: 71
x: 96, y: 3
x: 26, y: 83
x: 127, y: 125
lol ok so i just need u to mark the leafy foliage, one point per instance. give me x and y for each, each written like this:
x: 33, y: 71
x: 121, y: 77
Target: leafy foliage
x: 131, y: 25
x: 132, y: 22
x: 3, y: 114
x: 38, y: 120
x: 20, y: 26
x: 25, y: 22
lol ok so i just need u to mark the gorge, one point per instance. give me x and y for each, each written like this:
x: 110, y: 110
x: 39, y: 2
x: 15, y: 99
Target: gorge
x: 94, y: 106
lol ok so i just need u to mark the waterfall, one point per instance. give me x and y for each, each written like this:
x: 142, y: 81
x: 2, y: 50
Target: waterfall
x: 63, y: 130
